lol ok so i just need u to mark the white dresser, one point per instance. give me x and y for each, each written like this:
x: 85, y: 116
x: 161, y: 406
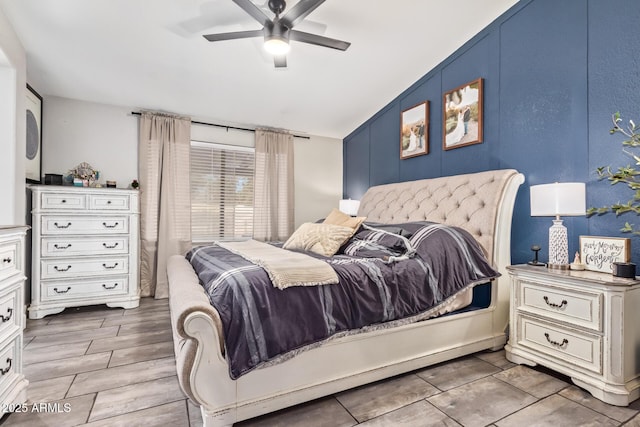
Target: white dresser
x: 583, y: 324
x: 13, y: 385
x: 85, y: 248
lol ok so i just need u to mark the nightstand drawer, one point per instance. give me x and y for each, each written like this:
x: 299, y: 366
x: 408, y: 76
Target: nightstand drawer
x: 63, y: 201
x: 567, y: 305
x: 109, y: 202
x: 66, y: 290
x: 565, y: 345
x: 105, y: 245
x: 84, y: 225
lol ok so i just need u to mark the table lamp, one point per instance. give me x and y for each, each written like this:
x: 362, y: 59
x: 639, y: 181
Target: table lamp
x: 558, y: 199
x: 348, y: 206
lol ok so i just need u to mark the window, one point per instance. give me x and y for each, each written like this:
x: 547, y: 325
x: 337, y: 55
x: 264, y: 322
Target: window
x: 221, y: 191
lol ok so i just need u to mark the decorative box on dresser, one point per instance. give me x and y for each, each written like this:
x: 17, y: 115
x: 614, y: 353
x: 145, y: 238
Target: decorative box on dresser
x: 583, y: 324
x: 84, y: 248
x: 13, y: 385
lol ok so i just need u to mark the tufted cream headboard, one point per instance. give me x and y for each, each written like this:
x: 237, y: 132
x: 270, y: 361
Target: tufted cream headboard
x: 481, y: 203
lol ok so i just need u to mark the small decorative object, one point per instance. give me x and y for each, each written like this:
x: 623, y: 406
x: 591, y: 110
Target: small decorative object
x: 599, y: 253
x: 414, y: 131
x: 52, y: 179
x: 536, y: 249
x: 111, y: 184
x: 566, y: 199
x: 577, y: 263
x: 462, y: 116
x: 84, y: 172
x: 624, y: 269
x: 134, y: 184
x: 77, y: 182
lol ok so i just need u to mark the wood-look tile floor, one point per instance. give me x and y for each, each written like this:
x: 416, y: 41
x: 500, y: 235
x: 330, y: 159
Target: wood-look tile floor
x: 99, y: 366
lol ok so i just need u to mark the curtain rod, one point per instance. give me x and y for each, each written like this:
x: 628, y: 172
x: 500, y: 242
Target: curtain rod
x: 136, y: 113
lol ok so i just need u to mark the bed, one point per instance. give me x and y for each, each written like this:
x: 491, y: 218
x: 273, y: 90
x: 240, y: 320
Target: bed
x: 480, y: 203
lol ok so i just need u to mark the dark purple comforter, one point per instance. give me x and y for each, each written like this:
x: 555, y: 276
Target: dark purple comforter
x: 262, y: 322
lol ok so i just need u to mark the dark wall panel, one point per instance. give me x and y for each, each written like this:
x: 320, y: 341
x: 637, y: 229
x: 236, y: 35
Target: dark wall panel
x: 554, y: 72
x: 385, y: 146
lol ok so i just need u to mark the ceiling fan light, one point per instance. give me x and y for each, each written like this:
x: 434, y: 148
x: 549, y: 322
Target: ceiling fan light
x: 276, y: 45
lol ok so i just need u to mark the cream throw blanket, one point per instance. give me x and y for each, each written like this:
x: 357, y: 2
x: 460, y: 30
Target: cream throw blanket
x: 285, y: 268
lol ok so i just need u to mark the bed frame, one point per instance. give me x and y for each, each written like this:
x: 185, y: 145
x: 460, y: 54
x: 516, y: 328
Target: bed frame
x: 482, y: 203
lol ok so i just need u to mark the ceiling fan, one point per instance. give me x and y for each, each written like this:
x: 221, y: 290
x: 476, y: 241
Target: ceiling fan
x: 277, y: 32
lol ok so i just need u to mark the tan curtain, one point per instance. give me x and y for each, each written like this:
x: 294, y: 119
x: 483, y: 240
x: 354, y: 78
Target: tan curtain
x: 273, y: 200
x: 165, y: 197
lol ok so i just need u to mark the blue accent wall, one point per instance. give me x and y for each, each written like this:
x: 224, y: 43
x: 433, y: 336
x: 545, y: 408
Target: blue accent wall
x: 554, y: 72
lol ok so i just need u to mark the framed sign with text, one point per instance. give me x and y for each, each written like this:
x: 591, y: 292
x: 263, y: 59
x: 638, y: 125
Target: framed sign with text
x: 599, y: 253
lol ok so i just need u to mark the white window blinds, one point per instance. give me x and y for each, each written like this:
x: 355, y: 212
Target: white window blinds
x: 221, y: 191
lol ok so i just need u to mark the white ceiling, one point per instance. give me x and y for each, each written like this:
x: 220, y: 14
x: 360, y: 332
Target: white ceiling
x: 151, y: 54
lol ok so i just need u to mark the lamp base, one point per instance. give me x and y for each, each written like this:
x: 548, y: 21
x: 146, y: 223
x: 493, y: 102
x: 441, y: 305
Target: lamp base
x: 537, y: 263
x: 558, y: 266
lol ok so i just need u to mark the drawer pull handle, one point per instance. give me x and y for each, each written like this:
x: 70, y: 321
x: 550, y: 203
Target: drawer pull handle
x: 62, y: 247
x: 6, y: 370
x: 8, y: 316
x: 64, y: 201
x: 62, y: 226
x: 110, y: 226
x: 115, y: 245
x: 6, y: 260
x: 115, y: 285
x: 108, y: 202
x: 556, y: 343
x: 61, y: 291
x: 61, y: 269
x: 551, y: 304
x: 110, y: 267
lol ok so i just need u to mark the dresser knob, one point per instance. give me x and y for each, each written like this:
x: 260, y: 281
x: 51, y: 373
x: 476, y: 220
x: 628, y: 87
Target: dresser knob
x: 6, y: 370
x: 556, y: 343
x: 6, y: 260
x: 554, y: 305
x: 8, y: 316
x: 64, y: 201
x: 108, y: 202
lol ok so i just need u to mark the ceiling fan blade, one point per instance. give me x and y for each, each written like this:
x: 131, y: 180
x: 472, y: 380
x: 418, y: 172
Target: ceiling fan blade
x: 254, y: 11
x: 233, y: 36
x: 298, y: 12
x: 318, y: 40
x: 280, y: 61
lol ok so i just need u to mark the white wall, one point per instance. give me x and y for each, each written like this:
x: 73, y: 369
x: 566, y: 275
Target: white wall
x: 106, y: 137
x: 13, y: 81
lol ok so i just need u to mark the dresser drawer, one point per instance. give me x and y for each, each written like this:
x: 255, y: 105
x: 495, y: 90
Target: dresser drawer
x: 10, y: 362
x: 566, y: 345
x: 65, y: 290
x: 9, y: 259
x: 106, y: 245
x: 53, y: 224
x: 109, y: 202
x: 9, y: 313
x: 580, y: 308
x: 79, y: 267
x: 63, y: 201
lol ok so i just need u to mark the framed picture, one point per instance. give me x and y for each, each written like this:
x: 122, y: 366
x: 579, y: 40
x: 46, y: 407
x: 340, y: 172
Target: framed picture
x: 462, y: 116
x: 33, y: 164
x: 599, y: 253
x: 414, y: 131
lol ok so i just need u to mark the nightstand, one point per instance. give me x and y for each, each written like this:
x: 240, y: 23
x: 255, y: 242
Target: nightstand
x: 583, y: 324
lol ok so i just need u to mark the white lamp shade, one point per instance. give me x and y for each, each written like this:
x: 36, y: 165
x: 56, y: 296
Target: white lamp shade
x: 350, y: 207
x: 558, y: 199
